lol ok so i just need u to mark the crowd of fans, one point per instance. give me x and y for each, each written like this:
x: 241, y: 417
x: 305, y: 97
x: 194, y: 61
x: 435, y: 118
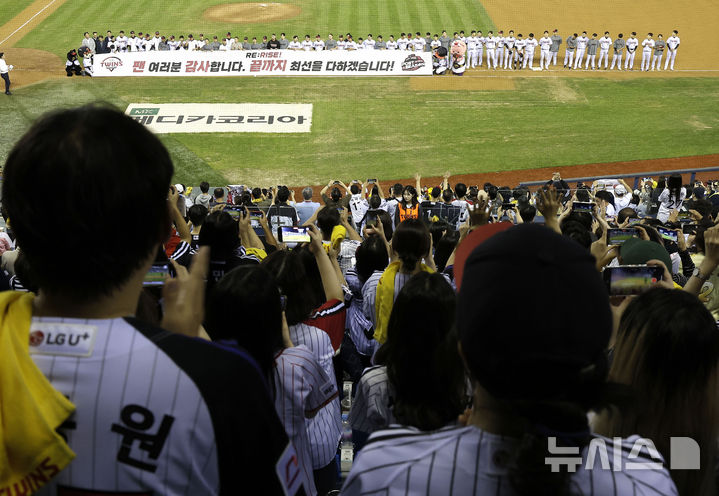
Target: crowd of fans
x: 477, y: 325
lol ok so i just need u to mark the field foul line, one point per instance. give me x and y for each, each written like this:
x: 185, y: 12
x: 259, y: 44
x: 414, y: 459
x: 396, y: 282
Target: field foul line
x: 28, y: 21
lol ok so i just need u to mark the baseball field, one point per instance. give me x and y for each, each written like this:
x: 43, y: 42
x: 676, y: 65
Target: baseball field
x: 481, y: 123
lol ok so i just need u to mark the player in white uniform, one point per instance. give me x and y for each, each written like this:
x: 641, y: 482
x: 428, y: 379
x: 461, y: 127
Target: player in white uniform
x: 491, y: 44
x: 307, y: 43
x: 519, y: 48
x: 121, y: 42
x: 402, y: 42
x: 672, y: 47
x: 545, y: 43
x: 295, y: 43
x: 581, y: 48
x: 481, y: 40
x: 435, y: 43
x: 318, y: 44
x: 530, y: 44
x: 605, y: 43
x: 510, y: 55
x: 418, y: 43
x: 369, y: 43
x: 647, y: 47
x: 471, y: 50
x: 392, y: 43
x: 632, y: 44
x: 499, y: 52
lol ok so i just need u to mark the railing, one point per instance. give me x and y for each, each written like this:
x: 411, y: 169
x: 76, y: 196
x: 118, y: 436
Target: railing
x: 636, y: 175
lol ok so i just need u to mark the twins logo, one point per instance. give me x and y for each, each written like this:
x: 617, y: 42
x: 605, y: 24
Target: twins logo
x: 36, y: 338
x: 111, y: 63
x: 412, y: 63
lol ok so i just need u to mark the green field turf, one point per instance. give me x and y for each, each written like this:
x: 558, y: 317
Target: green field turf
x: 378, y: 126
x: 11, y: 8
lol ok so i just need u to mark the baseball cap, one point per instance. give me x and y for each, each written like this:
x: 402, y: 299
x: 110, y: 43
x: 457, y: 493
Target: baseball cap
x: 620, y: 190
x: 473, y: 240
x: 179, y: 188
x: 548, y: 345
x: 635, y: 251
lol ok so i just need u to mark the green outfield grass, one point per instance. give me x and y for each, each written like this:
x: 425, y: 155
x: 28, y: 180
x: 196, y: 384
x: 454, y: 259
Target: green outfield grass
x: 389, y: 131
x: 377, y: 126
x: 11, y: 8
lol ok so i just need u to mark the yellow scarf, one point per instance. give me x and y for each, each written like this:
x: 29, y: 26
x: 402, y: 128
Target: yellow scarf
x: 384, y: 299
x: 339, y: 233
x: 30, y: 408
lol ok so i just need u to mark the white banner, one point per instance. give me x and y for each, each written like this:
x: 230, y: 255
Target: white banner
x: 223, y: 118
x: 264, y: 63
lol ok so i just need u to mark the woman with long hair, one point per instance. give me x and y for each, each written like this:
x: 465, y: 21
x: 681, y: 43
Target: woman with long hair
x: 420, y: 381
x: 408, y: 207
x: 672, y: 197
x: 667, y: 352
x: 245, y: 309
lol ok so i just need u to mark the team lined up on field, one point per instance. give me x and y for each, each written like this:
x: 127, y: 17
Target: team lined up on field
x: 499, y: 51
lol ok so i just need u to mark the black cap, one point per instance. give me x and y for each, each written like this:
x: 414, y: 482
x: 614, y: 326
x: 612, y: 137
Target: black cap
x: 533, y: 315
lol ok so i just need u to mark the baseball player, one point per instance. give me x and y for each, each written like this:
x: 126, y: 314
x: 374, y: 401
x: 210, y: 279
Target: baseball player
x: 530, y: 44
x: 659, y: 47
x: 554, y: 49
x: 673, y: 45
x: 618, y: 46
x: 435, y: 43
x: 481, y: 40
x: 545, y: 43
x: 4, y: 70
x: 121, y: 42
x: 402, y: 42
x: 605, y: 42
x: 318, y: 45
x: 491, y: 44
x: 499, y: 52
x: 581, y: 48
x: 350, y: 44
x: 592, y: 45
x: 569, y: 51
x: 392, y: 43
x: 519, y: 46
x: 370, y: 43
x: 307, y: 43
x: 471, y: 42
x: 632, y: 44
x: 418, y: 42
x: 509, y: 57
x: 295, y: 43
x: 445, y: 40
x: 647, y: 47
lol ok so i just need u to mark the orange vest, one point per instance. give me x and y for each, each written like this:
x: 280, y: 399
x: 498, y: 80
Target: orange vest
x: 408, y: 212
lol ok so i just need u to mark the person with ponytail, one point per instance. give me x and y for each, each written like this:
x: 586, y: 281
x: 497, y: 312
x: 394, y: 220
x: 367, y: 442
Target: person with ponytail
x: 420, y: 380
x: 672, y: 197
x: 411, y: 243
x: 537, y: 369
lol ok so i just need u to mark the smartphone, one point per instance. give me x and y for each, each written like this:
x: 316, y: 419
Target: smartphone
x: 371, y: 219
x: 234, y: 210
x: 255, y: 214
x: 293, y: 235
x: 667, y: 234
x: 355, y: 181
x: 628, y: 280
x: 689, y: 228
x: 617, y: 237
x: 157, y: 274
x: 371, y: 181
x: 336, y: 182
x: 583, y: 207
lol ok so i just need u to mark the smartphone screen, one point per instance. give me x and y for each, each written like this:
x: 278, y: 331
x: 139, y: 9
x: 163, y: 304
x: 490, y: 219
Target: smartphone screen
x: 617, y: 237
x: 157, y: 274
x: 583, y: 207
x: 628, y: 280
x: 667, y: 234
x: 294, y: 235
x: 234, y: 210
x: 371, y: 180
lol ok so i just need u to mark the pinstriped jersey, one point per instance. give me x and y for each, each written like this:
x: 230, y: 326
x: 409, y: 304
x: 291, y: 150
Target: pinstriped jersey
x: 325, y: 429
x: 302, y: 389
x: 155, y: 413
x: 469, y: 461
x: 370, y: 409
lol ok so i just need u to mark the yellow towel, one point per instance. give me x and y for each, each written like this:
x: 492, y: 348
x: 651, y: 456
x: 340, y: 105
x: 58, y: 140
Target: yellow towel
x: 31, y: 451
x: 384, y: 299
x: 339, y: 233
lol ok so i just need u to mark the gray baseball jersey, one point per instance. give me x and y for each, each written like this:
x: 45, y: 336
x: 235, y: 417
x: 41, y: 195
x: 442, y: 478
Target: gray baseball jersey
x: 619, y: 45
x: 371, y: 409
x: 659, y: 46
x: 592, y: 46
x: 556, y: 41
x: 330, y: 44
x: 571, y: 43
x: 445, y: 40
x: 380, y: 45
x: 403, y: 461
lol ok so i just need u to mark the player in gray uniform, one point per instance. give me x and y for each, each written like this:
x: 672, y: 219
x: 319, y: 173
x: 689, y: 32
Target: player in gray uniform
x: 618, y: 46
x: 659, y: 47
x: 592, y: 45
x: 569, y: 52
x: 554, y: 49
x: 284, y: 42
x: 428, y: 42
x: 380, y: 44
x: 330, y: 43
x: 445, y: 40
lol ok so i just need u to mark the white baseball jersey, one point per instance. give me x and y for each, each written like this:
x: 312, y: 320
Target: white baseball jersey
x: 509, y: 42
x: 156, y: 413
x: 520, y: 44
x: 156, y: 42
x: 294, y: 45
x: 318, y: 45
x: 369, y: 44
x: 469, y: 461
x: 350, y: 45
x: 302, y: 388
x: 490, y: 43
x: 471, y: 42
x: 582, y: 42
x: 419, y: 44
x: 546, y: 43
x: 131, y: 44
x: 605, y: 43
x: 435, y: 44
x: 500, y: 42
x: 402, y: 43
x: 531, y: 44
x: 325, y: 429
x: 673, y: 42
x: 173, y: 44
x: 307, y: 45
x: 648, y: 45
x: 392, y: 45
x: 632, y: 44
x: 121, y: 42
x: 193, y: 44
x: 371, y: 409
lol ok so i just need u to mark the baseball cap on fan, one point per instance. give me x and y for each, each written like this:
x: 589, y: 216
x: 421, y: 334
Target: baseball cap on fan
x: 620, y: 190
x: 522, y: 350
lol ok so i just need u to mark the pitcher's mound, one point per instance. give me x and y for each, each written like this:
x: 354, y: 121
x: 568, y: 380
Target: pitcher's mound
x: 251, y: 13
x: 33, y: 66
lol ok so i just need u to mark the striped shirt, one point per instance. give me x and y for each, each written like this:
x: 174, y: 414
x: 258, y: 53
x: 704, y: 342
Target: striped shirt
x: 360, y: 328
x: 469, y: 461
x: 346, y: 257
x: 155, y: 413
x: 325, y: 429
x: 303, y: 388
x: 371, y: 409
